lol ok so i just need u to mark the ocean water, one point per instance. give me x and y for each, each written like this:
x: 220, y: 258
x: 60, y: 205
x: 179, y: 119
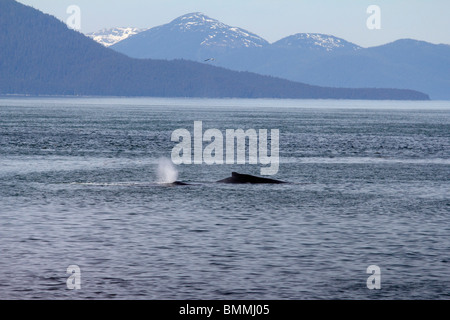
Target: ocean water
x: 370, y: 185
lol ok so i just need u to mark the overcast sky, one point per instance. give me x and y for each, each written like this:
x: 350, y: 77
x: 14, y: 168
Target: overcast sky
x: 427, y: 20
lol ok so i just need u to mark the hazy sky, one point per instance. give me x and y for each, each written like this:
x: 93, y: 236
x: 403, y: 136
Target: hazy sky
x: 427, y: 20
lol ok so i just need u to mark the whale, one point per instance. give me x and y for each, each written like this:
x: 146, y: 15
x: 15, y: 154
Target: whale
x: 238, y: 178
x: 179, y: 183
x: 176, y: 183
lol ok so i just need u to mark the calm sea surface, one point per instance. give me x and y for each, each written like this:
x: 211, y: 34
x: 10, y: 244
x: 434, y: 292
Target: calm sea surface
x: 78, y: 186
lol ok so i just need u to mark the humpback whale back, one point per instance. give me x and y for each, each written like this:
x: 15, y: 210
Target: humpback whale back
x: 246, y: 178
x: 236, y: 178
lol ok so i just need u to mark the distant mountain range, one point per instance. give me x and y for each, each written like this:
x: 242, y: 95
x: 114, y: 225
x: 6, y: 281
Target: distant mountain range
x: 109, y: 37
x: 313, y: 58
x: 193, y: 36
x: 40, y: 55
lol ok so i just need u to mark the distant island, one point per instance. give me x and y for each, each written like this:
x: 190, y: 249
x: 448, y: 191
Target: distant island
x: 41, y: 56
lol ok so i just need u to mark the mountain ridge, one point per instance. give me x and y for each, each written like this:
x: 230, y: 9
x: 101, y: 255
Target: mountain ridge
x: 110, y: 36
x: 66, y: 62
x: 316, y: 41
x: 210, y: 35
x: 315, y: 58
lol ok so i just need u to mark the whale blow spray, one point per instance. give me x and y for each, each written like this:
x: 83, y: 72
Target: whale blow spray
x: 166, y: 172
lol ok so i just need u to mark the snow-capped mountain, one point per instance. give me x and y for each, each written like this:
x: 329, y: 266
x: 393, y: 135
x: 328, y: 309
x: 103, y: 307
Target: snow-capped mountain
x: 109, y: 37
x: 216, y: 33
x: 193, y: 36
x: 314, y: 58
x: 316, y: 41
